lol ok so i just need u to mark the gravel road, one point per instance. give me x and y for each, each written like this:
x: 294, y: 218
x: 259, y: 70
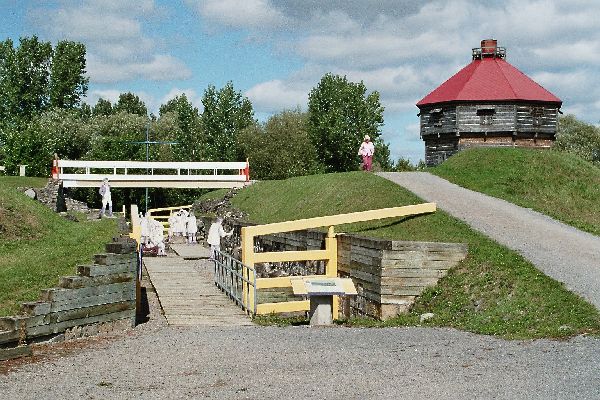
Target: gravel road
x: 560, y: 251
x: 314, y: 363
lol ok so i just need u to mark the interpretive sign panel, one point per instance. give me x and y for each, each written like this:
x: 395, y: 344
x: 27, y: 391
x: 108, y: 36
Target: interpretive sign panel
x: 323, y: 286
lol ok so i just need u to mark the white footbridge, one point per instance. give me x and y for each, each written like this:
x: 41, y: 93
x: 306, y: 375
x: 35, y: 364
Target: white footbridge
x: 142, y: 174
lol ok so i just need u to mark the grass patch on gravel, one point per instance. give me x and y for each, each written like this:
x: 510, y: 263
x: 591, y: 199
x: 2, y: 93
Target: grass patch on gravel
x: 494, y: 291
x: 37, y: 246
x: 557, y: 184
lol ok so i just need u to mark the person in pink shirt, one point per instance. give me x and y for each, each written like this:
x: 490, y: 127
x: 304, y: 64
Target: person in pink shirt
x: 366, y: 152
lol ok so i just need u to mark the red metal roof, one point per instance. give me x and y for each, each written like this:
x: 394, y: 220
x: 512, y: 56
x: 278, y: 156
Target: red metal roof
x: 489, y: 79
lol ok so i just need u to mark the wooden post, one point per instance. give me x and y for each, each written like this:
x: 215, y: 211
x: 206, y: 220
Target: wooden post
x: 248, y: 259
x: 331, y: 267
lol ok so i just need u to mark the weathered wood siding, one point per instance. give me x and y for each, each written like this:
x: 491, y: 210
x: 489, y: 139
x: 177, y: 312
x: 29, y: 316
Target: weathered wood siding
x: 463, y: 126
x: 503, y: 119
x: 534, y: 119
x: 437, y: 150
x: 443, y: 122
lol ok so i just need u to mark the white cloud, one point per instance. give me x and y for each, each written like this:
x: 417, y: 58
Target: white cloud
x: 159, y: 68
x: 257, y: 14
x: 117, y: 48
x: 276, y: 95
x: 111, y: 95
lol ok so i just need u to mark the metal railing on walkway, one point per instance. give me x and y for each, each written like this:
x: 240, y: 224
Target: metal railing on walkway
x: 237, y: 280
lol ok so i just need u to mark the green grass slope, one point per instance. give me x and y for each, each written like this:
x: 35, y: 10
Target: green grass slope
x: 554, y: 183
x: 494, y: 291
x: 37, y: 246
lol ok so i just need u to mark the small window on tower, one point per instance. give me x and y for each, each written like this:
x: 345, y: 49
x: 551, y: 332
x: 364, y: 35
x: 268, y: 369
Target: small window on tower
x: 537, y: 115
x: 486, y: 115
x: 435, y: 117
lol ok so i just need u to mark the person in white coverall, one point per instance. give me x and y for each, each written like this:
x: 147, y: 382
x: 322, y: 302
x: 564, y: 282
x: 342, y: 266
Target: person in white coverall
x: 192, y: 228
x: 215, y: 233
x: 106, y: 198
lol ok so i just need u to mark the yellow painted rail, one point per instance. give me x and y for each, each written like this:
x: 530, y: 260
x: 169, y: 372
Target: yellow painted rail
x: 154, y: 213
x: 329, y: 254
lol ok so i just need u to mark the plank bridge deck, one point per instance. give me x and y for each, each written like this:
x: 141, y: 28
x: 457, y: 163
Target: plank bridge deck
x: 186, y: 290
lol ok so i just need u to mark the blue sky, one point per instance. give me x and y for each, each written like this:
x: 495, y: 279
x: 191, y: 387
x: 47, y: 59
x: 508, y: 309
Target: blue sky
x: 276, y: 51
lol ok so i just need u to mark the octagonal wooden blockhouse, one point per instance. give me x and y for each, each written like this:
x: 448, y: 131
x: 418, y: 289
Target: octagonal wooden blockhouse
x: 487, y: 103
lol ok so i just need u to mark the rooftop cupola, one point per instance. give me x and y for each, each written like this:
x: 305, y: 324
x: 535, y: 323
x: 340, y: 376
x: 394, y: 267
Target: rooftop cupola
x: 489, y: 49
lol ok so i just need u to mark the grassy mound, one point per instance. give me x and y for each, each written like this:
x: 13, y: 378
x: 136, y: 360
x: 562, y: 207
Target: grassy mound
x: 557, y: 184
x: 494, y: 291
x: 37, y: 245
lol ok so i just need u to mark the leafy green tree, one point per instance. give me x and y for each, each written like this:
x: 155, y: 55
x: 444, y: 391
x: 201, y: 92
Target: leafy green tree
x: 130, y: 103
x: 189, y: 132
x: 340, y: 114
x: 24, y: 76
x: 382, y: 155
x: 280, y: 148
x: 68, y: 83
x: 403, y: 164
x: 226, y: 113
x: 577, y: 137
x: 85, y: 111
x: 102, y: 107
x: 54, y: 131
x: 113, y: 137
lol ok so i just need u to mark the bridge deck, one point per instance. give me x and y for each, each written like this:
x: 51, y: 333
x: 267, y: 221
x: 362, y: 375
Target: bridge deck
x: 186, y: 289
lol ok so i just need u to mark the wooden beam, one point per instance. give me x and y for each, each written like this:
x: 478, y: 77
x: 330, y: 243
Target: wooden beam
x: 288, y: 306
x: 360, y: 216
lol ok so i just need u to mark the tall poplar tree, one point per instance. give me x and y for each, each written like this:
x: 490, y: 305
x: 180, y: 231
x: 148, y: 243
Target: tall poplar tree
x: 24, y: 77
x: 68, y: 83
x: 226, y: 113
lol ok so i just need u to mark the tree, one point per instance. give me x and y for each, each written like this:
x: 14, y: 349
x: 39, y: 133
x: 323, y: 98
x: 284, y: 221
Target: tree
x: 102, y: 107
x: 226, y: 113
x: 131, y: 104
x: 24, y: 75
x: 403, y: 164
x: 577, y: 137
x: 339, y: 115
x: 280, y: 148
x: 382, y: 155
x: 68, y: 83
x: 189, y: 134
x: 54, y: 131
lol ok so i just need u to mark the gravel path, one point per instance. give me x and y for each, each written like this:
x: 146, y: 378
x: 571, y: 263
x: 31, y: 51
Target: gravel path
x: 560, y: 251
x: 314, y: 363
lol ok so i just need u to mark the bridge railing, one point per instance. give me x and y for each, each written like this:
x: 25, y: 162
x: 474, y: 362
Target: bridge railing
x: 237, y: 280
x: 138, y: 173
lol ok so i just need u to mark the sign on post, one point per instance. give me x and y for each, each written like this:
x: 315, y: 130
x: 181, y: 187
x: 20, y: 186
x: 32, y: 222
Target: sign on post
x: 320, y: 292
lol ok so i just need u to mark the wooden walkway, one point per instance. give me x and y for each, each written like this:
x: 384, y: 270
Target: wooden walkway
x: 186, y: 290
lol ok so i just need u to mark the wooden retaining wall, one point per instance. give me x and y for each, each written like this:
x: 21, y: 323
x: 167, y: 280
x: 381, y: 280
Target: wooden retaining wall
x: 99, y: 298
x: 390, y: 274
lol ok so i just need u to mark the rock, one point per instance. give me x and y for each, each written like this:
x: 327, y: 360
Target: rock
x: 426, y: 317
x: 30, y: 193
